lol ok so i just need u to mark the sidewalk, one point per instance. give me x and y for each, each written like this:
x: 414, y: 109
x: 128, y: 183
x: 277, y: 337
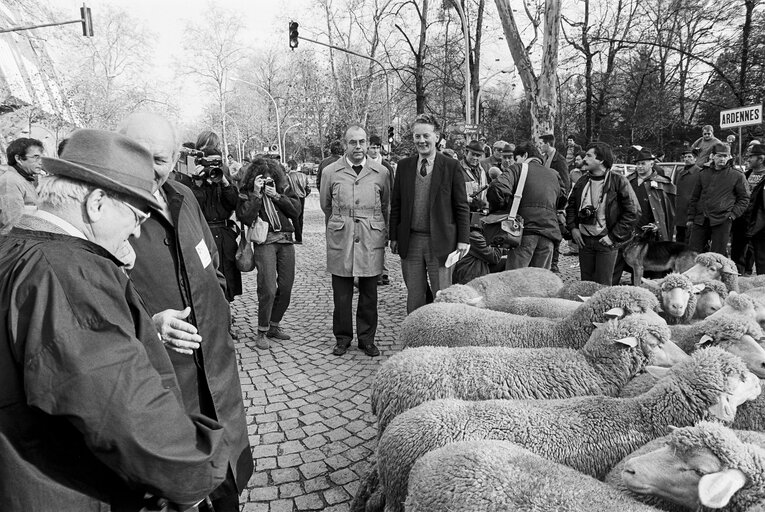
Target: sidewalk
x: 310, y: 424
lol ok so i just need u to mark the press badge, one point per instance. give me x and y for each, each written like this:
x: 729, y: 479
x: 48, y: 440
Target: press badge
x: 204, y: 253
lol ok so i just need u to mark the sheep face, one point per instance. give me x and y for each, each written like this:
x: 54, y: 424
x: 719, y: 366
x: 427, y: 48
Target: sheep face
x: 745, y: 347
x: 709, y: 302
x: 663, y: 353
x: 700, y: 272
x: 680, y: 476
x: 740, y: 390
x: 675, y: 301
x: 460, y: 294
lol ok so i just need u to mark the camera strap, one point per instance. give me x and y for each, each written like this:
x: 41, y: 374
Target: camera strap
x: 519, y: 191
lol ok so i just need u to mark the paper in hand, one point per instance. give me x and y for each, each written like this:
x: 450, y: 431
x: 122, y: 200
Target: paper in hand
x: 453, y: 258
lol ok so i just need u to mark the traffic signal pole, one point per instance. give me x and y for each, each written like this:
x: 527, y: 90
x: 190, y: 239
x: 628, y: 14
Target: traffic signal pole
x: 385, y: 72
x: 85, y: 20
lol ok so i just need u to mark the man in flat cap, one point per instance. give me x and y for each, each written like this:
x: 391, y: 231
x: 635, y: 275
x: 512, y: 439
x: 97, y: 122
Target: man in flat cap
x: 90, y: 410
x: 721, y: 195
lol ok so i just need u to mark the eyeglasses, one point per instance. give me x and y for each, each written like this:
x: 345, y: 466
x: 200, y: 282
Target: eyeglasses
x: 140, y: 217
x: 35, y: 158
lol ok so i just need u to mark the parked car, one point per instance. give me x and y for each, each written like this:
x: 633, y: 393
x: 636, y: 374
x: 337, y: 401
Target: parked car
x: 623, y: 169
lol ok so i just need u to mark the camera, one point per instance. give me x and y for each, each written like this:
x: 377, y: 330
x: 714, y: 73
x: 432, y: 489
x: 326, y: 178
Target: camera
x: 588, y: 215
x: 211, y: 168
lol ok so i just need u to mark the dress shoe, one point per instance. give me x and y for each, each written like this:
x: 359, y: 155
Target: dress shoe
x: 371, y: 350
x: 262, y: 341
x: 383, y: 279
x: 555, y: 269
x: 339, y: 349
x: 277, y: 333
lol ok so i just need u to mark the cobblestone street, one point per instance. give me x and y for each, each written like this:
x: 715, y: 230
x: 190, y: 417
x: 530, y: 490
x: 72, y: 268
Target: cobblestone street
x: 308, y: 414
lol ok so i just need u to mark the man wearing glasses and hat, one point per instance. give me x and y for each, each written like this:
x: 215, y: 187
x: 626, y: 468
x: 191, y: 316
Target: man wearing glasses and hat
x: 720, y: 196
x: 91, y: 415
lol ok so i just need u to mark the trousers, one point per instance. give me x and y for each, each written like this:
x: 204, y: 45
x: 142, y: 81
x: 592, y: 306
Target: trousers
x: 275, y: 264
x: 419, y: 265
x: 596, y: 261
x: 718, y: 235
x: 366, y: 310
x: 534, y: 251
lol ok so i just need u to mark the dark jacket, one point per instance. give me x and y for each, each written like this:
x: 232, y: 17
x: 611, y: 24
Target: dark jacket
x: 558, y: 164
x: 538, y: 200
x: 756, y: 211
x: 719, y: 195
x: 176, y: 266
x: 478, y: 261
x: 449, y: 211
x: 251, y: 205
x: 622, y: 210
x: 685, y: 182
x: 90, y: 410
x: 660, y: 193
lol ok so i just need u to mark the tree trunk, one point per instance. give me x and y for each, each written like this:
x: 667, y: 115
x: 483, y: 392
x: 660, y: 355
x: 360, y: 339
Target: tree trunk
x: 475, y: 58
x: 419, y: 61
x: 745, y: 33
x: 541, y: 91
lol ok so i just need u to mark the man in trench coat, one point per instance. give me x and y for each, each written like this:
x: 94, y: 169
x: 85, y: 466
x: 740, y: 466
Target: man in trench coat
x: 355, y: 193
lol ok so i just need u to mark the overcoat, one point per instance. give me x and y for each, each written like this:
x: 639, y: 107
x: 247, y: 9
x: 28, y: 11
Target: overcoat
x: 356, y: 214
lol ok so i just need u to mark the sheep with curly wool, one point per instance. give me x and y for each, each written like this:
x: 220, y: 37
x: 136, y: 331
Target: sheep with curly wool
x: 711, y: 299
x: 589, y: 434
x: 745, y: 305
x: 548, y: 307
x: 497, y: 476
x: 576, y: 290
x: 677, y: 298
x: 702, y: 467
x: 460, y: 325
x: 710, y: 265
x: 616, y: 352
x: 492, y: 290
x: 757, y: 293
x: 747, y: 283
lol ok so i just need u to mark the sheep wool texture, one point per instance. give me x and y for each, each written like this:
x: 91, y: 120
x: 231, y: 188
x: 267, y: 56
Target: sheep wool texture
x: 757, y: 293
x: 494, y: 289
x: 460, y: 325
x: 748, y: 283
x: 669, y: 283
x: 548, y: 307
x: 722, y: 328
x: 496, y: 476
x: 576, y: 289
x: 602, y: 367
x: 589, y: 434
x: 736, y: 448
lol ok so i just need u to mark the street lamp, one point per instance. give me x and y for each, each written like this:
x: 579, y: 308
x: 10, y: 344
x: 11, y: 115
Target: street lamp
x: 276, y: 109
x: 238, y: 136
x: 284, y: 145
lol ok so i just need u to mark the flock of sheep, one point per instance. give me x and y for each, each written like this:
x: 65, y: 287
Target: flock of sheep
x: 515, y: 392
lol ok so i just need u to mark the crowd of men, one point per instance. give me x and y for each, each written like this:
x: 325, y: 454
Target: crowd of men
x: 118, y: 381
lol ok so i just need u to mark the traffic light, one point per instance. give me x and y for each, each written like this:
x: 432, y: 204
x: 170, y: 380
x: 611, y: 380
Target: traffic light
x: 390, y: 134
x: 293, y: 34
x: 87, y: 21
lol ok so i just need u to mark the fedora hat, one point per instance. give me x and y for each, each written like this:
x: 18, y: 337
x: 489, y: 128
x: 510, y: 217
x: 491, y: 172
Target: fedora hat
x: 644, y: 154
x: 475, y: 147
x: 757, y: 150
x: 107, y: 160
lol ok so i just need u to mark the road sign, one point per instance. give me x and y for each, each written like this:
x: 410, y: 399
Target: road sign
x: 742, y: 116
x: 471, y: 127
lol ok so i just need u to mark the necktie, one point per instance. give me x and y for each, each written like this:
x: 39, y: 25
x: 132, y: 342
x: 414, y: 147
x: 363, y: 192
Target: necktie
x: 424, y: 168
x: 357, y: 169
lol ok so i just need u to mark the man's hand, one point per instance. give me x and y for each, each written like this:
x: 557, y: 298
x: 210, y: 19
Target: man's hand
x: 174, y: 331
x: 576, y: 236
x: 394, y: 246
x: 463, y: 249
x: 606, y: 241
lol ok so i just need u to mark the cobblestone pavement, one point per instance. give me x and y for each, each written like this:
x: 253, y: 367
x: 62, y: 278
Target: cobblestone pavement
x: 308, y: 414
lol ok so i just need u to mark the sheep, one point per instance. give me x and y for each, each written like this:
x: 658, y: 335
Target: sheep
x: 710, y: 265
x: 757, y: 293
x: 711, y: 299
x: 747, y: 283
x: 677, y: 298
x: 589, y: 434
x: 496, y: 476
x: 579, y: 289
x: 454, y: 325
x: 491, y: 290
x: 548, y: 307
x: 701, y: 467
x: 743, y: 304
x: 614, y: 354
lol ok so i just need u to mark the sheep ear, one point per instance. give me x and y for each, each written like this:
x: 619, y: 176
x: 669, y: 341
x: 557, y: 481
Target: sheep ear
x: 472, y: 302
x: 716, y: 489
x: 583, y: 298
x: 672, y: 428
x: 698, y: 288
x: 705, y: 339
x: 629, y: 341
x: 657, y: 372
x: 598, y: 325
x: 617, y: 312
x: 438, y: 292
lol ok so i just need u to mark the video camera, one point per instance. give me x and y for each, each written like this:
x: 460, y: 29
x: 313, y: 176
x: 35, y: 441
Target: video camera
x: 211, y: 164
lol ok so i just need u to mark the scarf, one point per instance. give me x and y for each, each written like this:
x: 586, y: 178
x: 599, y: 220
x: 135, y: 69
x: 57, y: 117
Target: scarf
x: 272, y: 214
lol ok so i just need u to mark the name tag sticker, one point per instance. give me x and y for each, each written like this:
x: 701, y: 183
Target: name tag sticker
x: 204, y: 253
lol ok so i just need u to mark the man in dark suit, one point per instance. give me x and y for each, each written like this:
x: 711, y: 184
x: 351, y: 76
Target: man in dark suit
x: 429, y: 215
x: 553, y: 159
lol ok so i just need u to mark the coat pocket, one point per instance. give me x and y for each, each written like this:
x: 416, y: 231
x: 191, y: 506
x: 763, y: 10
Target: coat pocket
x: 335, y: 233
x: 378, y: 234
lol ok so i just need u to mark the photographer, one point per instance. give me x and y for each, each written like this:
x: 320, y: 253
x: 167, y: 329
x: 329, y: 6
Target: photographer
x: 217, y: 198
x: 601, y: 214
x: 266, y: 194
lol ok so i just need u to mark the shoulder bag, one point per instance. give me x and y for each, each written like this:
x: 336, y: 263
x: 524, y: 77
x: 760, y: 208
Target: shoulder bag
x: 506, y: 230
x: 245, y: 257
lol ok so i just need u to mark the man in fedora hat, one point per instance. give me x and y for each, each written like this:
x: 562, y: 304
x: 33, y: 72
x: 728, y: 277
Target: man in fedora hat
x: 90, y: 411
x: 475, y: 176
x: 656, y: 198
x: 685, y: 181
x: 176, y: 273
x: 721, y: 195
x: 755, y: 213
x: 742, y: 243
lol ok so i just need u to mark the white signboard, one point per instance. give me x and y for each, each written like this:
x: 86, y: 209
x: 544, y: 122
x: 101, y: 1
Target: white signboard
x: 742, y: 116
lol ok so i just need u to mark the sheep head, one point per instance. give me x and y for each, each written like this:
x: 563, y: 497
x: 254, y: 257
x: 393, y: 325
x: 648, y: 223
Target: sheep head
x: 744, y: 305
x: 460, y: 294
x: 646, y: 332
x: 734, y: 334
x: 617, y: 302
x: 701, y: 465
x: 711, y: 299
x: 677, y: 294
x: 710, y: 266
